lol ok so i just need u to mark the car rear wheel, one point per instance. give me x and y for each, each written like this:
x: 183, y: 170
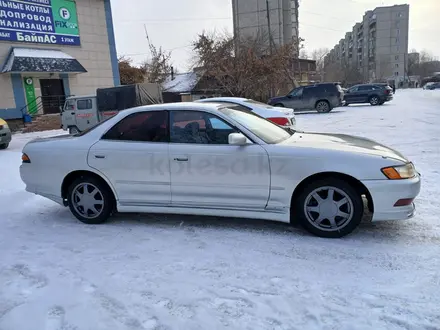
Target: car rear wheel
x: 4, y: 146
x: 323, y: 107
x: 329, y: 208
x: 90, y: 200
x: 374, y: 100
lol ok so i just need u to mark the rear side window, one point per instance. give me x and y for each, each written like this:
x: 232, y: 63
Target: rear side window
x: 364, y: 88
x: 85, y: 104
x: 147, y: 126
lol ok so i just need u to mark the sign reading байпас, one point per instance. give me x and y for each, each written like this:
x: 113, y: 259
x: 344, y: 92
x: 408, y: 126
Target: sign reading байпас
x: 39, y: 21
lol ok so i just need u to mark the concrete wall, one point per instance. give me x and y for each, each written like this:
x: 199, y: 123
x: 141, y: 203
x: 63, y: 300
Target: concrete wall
x: 250, y: 19
x: 388, y: 47
x: 97, y: 54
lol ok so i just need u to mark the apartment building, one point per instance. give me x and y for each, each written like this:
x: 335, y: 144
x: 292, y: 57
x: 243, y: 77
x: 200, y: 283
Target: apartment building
x: 250, y: 18
x: 375, y: 50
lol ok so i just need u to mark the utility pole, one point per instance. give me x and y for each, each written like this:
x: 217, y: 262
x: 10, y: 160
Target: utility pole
x: 269, y: 27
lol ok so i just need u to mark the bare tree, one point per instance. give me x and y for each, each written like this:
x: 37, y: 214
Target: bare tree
x: 245, y: 67
x: 158, y: 67
x: 318, y: 55
x: 129, y: 73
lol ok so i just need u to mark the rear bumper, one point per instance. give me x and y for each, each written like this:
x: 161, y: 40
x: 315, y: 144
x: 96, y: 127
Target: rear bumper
x: 385, y: 193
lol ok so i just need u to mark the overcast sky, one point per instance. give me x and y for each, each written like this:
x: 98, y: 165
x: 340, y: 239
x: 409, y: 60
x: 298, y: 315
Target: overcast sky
x: 174, y: 24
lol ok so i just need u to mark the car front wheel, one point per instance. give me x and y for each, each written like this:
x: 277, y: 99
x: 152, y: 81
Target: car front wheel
x: 73, y: 130
x: 90, y: 200
x: 4, y: 146
x: 329, y: 208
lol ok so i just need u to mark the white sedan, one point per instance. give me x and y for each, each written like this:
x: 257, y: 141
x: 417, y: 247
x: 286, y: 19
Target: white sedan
x: 212, y: 159
x: 281, y: 116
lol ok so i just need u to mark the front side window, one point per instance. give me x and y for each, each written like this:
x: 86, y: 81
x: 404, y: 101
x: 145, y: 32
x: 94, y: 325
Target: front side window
x: 148, y: 126
x: 353, y: 89
x: 85, y: 104
x: 297, y: 92
x: 70, y: 105
x: 196, y: 127
x: 264, y: 129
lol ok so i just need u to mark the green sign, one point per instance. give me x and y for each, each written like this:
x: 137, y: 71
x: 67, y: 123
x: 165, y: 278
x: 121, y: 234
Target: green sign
x: 29, y: 90
x: 65, y: 17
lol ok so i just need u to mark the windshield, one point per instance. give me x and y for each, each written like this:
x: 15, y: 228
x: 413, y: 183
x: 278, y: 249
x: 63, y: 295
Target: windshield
x: 260, y: 104
x: 264, y: 129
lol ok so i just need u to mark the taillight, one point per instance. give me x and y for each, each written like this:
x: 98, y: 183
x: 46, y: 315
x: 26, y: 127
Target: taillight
x: 387, y: 91
x: 282, y: 121
x: 25, y: 159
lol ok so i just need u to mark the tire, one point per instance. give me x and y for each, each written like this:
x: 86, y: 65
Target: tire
x: 4, y: 146
x: 279, y: 105
x: 73, y: 130
x: 105, y: 201
x: 305, y: 205
x: 346, y: 104
x: 374, y: 100
x: 323, y: 107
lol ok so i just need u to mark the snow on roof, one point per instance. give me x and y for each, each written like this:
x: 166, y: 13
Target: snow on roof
x: 42, y: 53
x: 41, y: 60
x: 182, y: 82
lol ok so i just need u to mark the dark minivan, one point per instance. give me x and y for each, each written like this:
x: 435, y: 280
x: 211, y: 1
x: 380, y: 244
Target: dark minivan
x: 375, y: 94
x: 322, y: 97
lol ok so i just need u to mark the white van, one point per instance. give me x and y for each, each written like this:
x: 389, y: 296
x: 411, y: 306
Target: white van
x: 82, y: 112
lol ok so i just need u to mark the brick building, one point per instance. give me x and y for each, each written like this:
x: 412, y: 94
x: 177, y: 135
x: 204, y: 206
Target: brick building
x: 50, y: 49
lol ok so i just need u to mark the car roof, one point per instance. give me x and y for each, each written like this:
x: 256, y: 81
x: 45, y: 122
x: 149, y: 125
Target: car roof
x: 179, y: 106
x: 79, y: 97
x: 223, y: 99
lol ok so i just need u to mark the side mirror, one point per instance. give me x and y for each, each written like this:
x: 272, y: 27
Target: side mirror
x: 237, y: 139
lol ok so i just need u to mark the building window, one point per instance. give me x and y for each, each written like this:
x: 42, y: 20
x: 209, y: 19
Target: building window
x: 396, y: 73
x: 396, y: 57
x: 398, y: 32
x: 396, y: 65
x: 397, y: 40
x: 400, y: 15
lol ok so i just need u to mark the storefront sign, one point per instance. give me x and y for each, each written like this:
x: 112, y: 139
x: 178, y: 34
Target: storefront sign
x: 30, y: 96
x: 39, y: 21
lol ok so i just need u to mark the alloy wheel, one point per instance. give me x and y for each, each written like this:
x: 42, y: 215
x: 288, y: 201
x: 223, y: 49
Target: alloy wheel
x: 328, y: 208
x: 87, y: 200
x: 322, y: 106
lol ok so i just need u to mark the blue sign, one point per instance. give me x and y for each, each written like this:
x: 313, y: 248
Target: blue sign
x: 39, y: 21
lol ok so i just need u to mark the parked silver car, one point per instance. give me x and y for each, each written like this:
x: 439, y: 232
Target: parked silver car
x: 5, y: 134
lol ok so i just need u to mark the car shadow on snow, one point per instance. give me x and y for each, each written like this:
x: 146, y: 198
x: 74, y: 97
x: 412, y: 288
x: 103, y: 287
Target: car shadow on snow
x: 389, y: 231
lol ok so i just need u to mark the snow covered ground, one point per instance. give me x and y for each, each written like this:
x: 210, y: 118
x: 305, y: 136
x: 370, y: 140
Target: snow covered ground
x: 174, y: 272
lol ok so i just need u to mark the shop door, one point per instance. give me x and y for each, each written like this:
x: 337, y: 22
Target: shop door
x: 52, y: 95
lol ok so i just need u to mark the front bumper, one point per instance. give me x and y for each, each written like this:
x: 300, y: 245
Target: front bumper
x: 385, y: 193
x: 5, y: 136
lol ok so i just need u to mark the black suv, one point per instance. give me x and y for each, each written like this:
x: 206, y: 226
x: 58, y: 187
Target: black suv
x: 322, y: 97
x: 375, y: 94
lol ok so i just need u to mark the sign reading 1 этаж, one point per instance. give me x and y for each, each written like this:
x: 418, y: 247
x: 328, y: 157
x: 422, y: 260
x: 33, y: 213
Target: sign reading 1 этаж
x: 39, y: 21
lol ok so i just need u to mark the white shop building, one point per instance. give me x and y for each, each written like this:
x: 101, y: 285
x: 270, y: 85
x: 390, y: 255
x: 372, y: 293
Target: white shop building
x: 50, y: 49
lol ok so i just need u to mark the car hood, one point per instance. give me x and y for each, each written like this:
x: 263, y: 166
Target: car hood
x: 274, y: 100
x: 342, y: 142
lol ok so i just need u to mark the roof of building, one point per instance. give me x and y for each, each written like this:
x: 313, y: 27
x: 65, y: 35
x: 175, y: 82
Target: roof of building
x: 182, y: 82
x: 41, y: 60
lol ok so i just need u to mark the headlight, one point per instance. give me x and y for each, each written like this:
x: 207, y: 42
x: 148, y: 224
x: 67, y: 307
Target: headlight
x: 406, y: 171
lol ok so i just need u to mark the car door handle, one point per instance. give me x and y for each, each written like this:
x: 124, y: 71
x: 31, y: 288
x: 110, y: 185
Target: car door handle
x: 181, y: 159
x: 100, y: 156
x: 72, y: 113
